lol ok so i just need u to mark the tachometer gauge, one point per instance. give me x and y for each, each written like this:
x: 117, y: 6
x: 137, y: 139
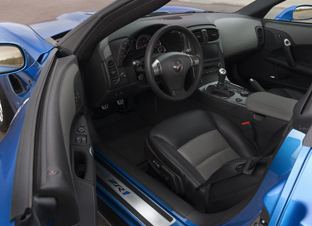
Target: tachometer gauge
x: 142, y: 41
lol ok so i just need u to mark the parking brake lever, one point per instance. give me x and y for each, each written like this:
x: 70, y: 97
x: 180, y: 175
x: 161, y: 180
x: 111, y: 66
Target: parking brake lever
x: 256, y: 85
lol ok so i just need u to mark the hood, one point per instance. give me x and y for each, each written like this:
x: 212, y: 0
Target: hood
x: 61, y: 24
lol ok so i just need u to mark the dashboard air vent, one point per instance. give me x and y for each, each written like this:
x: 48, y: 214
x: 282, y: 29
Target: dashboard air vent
x: 206, y: 34
x: 113, y: 72
x: 260, y: 35
x: 212, y: 34
x: 16, y: 84
x: 199, y: 35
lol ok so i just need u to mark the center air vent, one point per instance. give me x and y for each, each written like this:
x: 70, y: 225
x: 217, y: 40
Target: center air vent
x: 113, y: 72
x: 199, y: 35
x: 213, y: 34
x: 16, y: 84
x: 206, y: 34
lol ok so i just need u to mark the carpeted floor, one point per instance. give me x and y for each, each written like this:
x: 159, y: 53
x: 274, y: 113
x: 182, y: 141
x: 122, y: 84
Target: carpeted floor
x: 124, y: 133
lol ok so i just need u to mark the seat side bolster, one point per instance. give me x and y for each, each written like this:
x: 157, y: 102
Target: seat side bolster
x: 234, y: 136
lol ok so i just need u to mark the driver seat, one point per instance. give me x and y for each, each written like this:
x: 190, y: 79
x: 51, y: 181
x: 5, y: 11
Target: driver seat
x: 186, y: 150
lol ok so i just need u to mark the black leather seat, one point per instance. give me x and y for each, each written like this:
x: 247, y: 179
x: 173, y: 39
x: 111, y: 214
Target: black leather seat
x: 289, y: 93
x: 187, y: 149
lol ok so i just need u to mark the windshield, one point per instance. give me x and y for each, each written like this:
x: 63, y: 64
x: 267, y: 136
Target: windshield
x: 227, y: 6
x: 35, y: 11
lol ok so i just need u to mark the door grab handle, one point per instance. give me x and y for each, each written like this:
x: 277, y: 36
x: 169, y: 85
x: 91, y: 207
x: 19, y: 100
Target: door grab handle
x: 289, y: 58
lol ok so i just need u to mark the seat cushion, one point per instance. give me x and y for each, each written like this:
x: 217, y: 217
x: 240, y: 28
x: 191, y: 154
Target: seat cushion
x: 194, y: 145
x: 289, y: 93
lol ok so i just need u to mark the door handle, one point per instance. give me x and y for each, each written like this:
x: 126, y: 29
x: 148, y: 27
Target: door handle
x: 289, y: 57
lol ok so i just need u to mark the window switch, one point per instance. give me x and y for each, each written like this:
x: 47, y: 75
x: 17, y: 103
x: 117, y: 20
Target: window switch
x: 84, y: 139
x: 78, y: 139
x: 81, y: 139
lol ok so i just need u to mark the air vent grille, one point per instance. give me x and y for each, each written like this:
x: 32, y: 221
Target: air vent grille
x: 113, y: 72
x: 260, y: 36
x: 199, y: 35
x: 16, y: 84
x: 212, y: 34
x: 206, y: 35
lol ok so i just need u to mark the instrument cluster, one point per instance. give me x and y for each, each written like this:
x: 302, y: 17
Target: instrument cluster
x: 136, y: 46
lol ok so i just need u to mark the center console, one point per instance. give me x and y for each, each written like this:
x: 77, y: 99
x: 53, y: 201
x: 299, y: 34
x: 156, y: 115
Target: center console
x: 214, y: 83
x: 239, y: 96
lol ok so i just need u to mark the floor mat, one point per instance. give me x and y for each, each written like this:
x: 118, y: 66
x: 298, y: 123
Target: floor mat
x: 124, y: 133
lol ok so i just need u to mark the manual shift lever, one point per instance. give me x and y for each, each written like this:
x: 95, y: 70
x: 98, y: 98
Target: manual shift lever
x: 220, y: 89
x: 221, y: 78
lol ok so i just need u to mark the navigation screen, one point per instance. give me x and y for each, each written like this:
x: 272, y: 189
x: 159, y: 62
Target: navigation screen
x: 210, y: 51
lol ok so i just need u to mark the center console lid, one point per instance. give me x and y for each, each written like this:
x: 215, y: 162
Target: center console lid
x: 271, y: 105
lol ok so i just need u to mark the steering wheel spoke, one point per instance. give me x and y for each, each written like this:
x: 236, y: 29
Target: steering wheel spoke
x: 157, y: 67
x: 178, y: 92
x: 194, y: 60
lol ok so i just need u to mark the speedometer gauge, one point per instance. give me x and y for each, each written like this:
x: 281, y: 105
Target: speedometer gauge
x: 142, y: 41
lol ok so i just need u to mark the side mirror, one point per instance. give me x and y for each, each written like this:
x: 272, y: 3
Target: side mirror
x: 295, y: 13
x: 12, y: 58
x: 303, y: 12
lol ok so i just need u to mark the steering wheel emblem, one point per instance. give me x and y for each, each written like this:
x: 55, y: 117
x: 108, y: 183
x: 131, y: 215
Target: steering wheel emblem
x: 177, y: 66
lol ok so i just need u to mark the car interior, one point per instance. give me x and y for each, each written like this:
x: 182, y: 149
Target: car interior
x: 162, y: 107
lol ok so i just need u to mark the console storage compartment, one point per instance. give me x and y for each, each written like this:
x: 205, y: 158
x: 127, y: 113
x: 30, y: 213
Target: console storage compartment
x: 271, y: 105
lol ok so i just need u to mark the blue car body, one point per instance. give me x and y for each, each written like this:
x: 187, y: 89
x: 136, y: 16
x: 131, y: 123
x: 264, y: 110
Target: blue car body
x: 284, y: 192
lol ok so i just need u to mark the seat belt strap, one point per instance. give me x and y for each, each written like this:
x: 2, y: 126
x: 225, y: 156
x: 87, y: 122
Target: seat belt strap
x: 250, y: 132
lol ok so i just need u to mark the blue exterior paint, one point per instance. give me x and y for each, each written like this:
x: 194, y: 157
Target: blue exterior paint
x: 287, y: 14
x: 298, y: 210
x: 282, y: 165
x: 295, y: 201
x: 8, y: 153
x: 63, y: 23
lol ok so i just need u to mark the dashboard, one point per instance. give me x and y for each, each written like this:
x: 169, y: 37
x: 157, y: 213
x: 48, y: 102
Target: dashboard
x: 117, y: 65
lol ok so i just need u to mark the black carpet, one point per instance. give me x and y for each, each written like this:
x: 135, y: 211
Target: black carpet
x: 124, y: 133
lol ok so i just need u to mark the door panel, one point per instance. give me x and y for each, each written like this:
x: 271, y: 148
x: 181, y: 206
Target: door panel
x: 65, y: 170
x: 285, y: 60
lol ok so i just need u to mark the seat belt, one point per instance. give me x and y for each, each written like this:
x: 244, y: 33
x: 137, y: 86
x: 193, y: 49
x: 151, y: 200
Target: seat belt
x: 250, y: 132
x: 228, y: 170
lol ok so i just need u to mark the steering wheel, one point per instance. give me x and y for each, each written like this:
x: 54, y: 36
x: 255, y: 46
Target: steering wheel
x: 173, y: 66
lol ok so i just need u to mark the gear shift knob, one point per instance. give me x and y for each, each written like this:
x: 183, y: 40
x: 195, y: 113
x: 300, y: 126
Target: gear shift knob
x: 221, y: 77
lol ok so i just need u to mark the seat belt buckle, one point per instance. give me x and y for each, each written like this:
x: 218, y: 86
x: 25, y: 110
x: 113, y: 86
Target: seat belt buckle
x: 247, y: 169
x: 249, y: 130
